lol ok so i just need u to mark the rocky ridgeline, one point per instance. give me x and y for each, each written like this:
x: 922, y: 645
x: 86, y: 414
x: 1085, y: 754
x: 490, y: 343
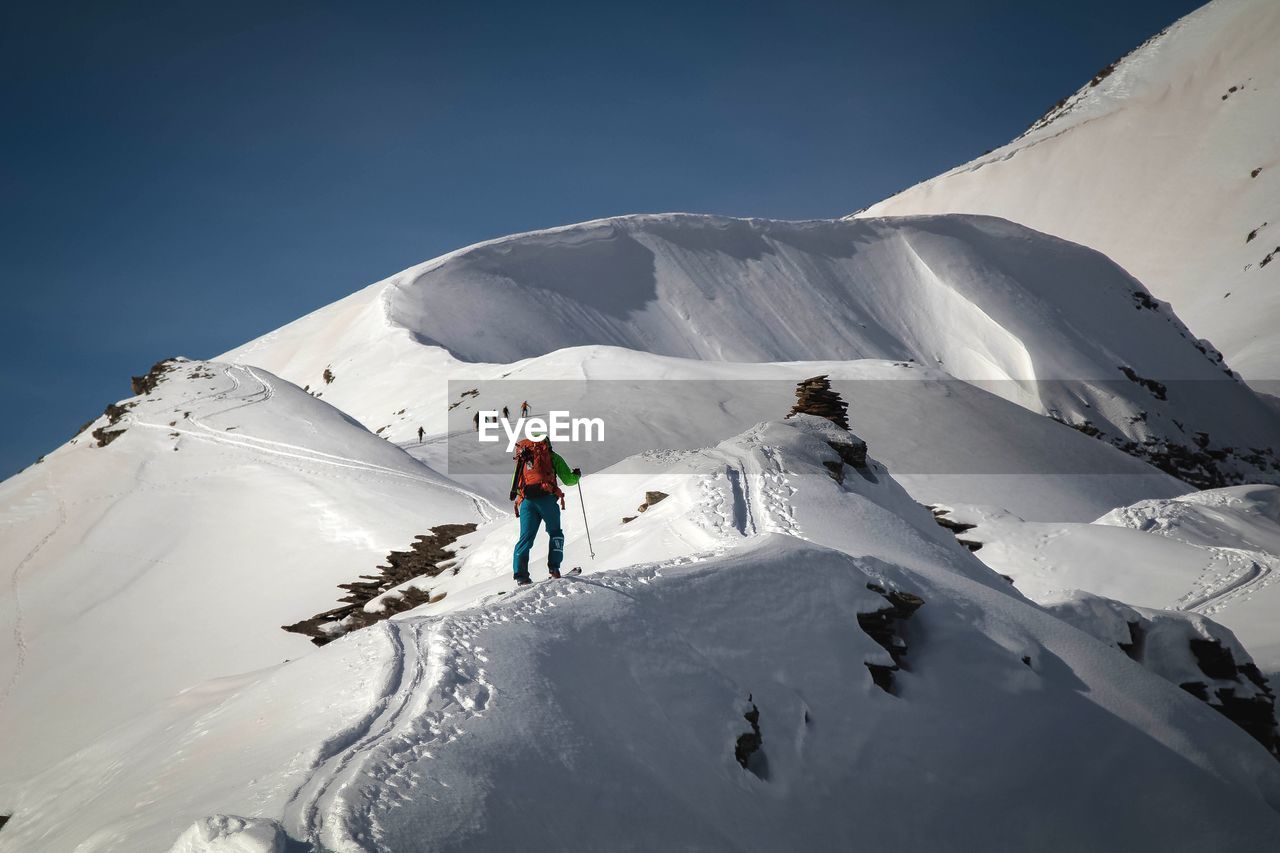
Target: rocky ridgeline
x: 427, y: 557
x: 115, y: 412
x: 1202, y: 464
x: 815, y: 397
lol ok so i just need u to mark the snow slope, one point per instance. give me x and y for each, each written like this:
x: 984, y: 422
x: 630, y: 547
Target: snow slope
x: 603, y: 712
x: 1215, y: 552
x: 1046, y: 324
x: 173, y: 554
x: 1170, y: 165
x: 962, y: 444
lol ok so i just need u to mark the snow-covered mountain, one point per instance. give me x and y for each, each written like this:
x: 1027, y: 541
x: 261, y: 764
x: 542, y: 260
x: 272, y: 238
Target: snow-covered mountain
x: 1167, y: 161
x: 806, y: 661
x: 773, y: 643
x: 1215, y: 552
x: 1051, y: 326
x: 169, y: 548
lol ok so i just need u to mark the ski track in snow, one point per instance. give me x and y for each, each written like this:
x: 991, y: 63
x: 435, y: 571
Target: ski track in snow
x: 19, y: 639
x: 265, y: 392
x: 437, y: 683
x: 742, y: 519
x: 738, y: 499
x: 1247, y: 572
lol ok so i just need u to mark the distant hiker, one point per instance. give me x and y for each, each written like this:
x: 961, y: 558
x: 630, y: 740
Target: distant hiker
x: 505, y: 413
x: 475, y: 419
x: 420, y: 434
x: 538, y: 498
x: 524, y: 409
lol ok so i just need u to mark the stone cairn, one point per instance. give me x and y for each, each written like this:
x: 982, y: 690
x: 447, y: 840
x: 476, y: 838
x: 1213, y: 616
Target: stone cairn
x: 815, y: 397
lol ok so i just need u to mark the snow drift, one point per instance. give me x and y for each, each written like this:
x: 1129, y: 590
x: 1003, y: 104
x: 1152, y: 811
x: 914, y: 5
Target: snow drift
x: 1049, y: 325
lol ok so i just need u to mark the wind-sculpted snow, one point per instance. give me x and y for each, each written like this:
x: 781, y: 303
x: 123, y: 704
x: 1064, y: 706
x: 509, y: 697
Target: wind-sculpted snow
x: 1170, y: 164
x: 1048, y: 325
x: 602, y: 712
x: 1215, y: 553
x: 228, y: 501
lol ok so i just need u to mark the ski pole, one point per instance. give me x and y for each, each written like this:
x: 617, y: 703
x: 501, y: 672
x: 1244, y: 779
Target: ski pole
x: 585, y: 526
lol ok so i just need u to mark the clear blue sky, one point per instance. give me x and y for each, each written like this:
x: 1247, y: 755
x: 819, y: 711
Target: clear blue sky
x: 179, y: 177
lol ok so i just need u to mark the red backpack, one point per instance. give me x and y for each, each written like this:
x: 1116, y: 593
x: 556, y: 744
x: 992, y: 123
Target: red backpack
x: 535, y: 471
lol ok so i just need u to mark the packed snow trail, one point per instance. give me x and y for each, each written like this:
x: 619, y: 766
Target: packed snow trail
x: 437, y: 684
x: 246, y: 441
x: 344, y: 758
x: 1218, y: 593
x: 19, y: 640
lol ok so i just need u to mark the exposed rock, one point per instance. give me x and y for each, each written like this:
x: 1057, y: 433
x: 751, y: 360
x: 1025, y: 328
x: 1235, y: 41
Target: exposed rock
x: 1204, y: 466
x: 815, y: 397
x: 1158, y: 389
x: 328, y: 376
x: 426, y: 557
x: 146, y: 383
x: 747, y: 749
x: 1178, y: 646
x: 114, y: 412
x: 852, y: 452
x: 957, y: 527
x: 1143, y: 300
x: 883, y: 626
x: 105, y: 434
x: 651, y: 498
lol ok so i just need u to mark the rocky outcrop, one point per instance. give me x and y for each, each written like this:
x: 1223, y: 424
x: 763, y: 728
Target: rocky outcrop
x: 105, y: 434
x: 115, y: 412
x: 650, y: 498
x: 884, y: 626
x: 147, y: 383
x: 1205, y: 466
x: 1157, y: 389
x: 747, y: 749
x: 815, y: 397
x: 428, y: 556
x: 941, y: 514
x: 1188, y: 649
x: 1252, y: 708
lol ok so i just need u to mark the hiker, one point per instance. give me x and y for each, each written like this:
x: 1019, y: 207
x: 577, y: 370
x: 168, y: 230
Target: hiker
x: 504, y: 413
x: 538, y: 499
x: 475, y: 419
x: 420, y: 434
x: 524, y: 409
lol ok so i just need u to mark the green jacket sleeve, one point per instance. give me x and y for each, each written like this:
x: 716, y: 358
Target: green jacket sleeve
x: 563, y: 472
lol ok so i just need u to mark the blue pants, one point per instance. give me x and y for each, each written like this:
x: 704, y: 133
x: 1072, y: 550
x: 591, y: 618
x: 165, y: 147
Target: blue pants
x: 532, y: 514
